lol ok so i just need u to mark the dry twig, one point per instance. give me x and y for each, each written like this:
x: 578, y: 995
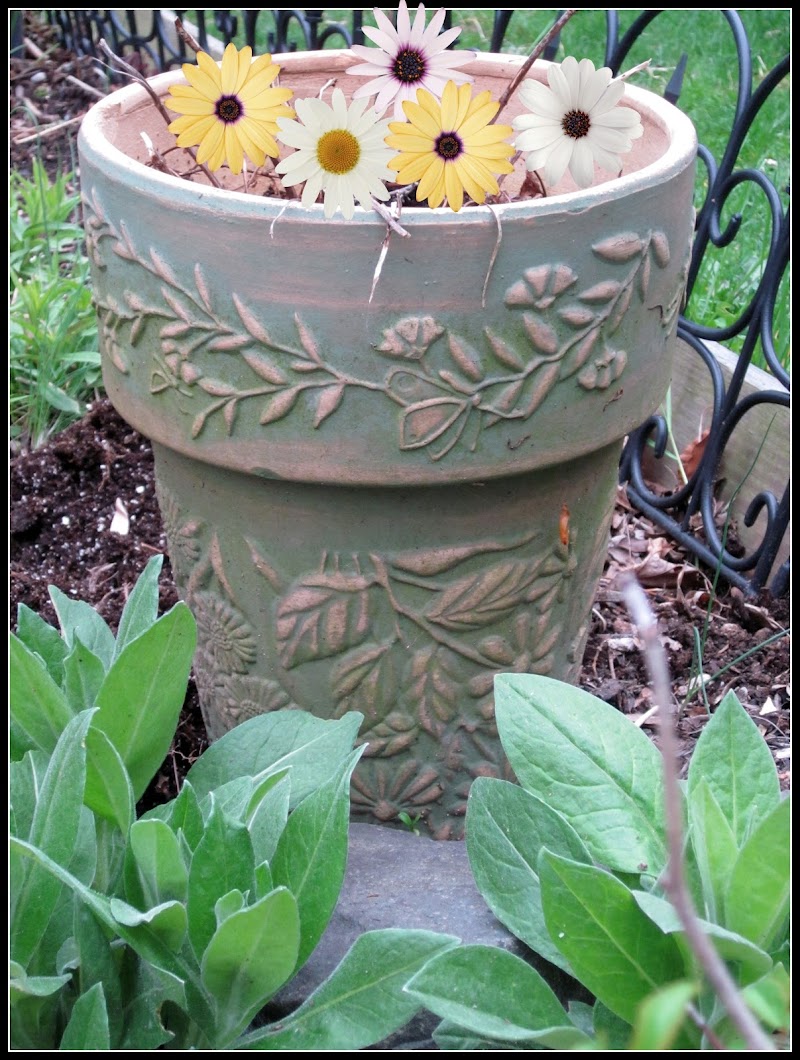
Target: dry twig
x: 674, y: 877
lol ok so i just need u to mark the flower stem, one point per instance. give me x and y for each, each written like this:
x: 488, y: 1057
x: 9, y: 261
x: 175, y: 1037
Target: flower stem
x: 539, y: 47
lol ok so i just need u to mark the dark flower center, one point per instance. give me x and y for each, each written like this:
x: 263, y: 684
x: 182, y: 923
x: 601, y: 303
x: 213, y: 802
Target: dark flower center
x: 229, y: 109
x: 448, y: 146
x: 409, y: 66
x: 576, y: 124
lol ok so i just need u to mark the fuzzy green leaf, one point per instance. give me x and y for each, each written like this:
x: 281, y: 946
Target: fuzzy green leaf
x: 267, y: 816
x: 87, y: 1029
x: 54, y: 830
x: 141, y: 698
x: 79, y: 619
x: 222, y: 862
x: 614, y: 949
x: 491, y: 992
x: 311, y: 854
x: 732, y: 757
x: 251, y: 955
x: 312, y: 747
x: 36, y: 703
x: 108, y: 790
x: 98, y: 963
x: 661, y: 1017
x: 42, y: 639
x: 588, y: 763
x: 141, y: 607
x: 713, y: 845
x: 752, y: 961
x: 84, y: 674
x: 159, y: 862
x: 757, y: 898
x: 362, y: 1001
x: 506, y: 829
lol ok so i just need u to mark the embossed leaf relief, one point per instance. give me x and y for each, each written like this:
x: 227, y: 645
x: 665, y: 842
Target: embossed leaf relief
x: 447, y: 390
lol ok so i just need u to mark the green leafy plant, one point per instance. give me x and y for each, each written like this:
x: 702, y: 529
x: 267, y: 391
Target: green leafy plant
x: 176, y: 927
x: 53, y: 351
x: 571, y: 861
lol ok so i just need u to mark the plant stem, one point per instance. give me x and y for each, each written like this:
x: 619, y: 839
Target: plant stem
x: 539, y: 47
x: 674, y: 879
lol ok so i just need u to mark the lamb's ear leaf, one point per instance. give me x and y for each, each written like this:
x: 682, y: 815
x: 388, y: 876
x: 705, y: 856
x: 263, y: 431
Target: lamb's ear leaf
x: 88, y: 1023
x: 590, y: 764
x: 362, y: 1001
x: 733, y: 759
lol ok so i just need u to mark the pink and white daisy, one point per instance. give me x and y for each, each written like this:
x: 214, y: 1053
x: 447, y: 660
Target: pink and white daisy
x: 407, y: 58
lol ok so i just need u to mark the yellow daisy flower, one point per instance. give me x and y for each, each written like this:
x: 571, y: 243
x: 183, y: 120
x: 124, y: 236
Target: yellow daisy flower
x: 450, y: 147
x: 229, y: 109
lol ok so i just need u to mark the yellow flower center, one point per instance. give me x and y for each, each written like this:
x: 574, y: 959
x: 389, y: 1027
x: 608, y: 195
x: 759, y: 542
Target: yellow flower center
x: 409, y: 66
x: 338, y: 151
x: 228, y: 109
x: 576, y: 124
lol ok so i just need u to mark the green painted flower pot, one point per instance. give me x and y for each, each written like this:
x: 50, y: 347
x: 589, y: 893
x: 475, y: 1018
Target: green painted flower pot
x: 376, y: 500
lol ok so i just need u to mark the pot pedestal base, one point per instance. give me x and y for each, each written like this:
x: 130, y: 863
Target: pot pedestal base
x: 400, y: 603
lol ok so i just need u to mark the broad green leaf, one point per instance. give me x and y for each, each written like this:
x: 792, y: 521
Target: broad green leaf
x: 108, y: 787
x: 146, y: 990
x: 757, y: 898
x: 506, y: 829
x: 264, y: 882
x: 22, y: 985
x: 362, y: 1001
x: 228, y: 904
x: 84, y: 674
x: 54, y: 830
x: 713, y: 845
x: 732, y: 757
x: 491, y: 992
x: 311, y: 855
x: 87, y: 1029
x: 753, y: 962
x: 134, y: 928
x: 186, y: 816
x: 588, y: 763
x: 141, y: 607
x: 159, y: 861
x: 770, y: 999
x: 36, y: 703
x: 222, y: 862
x: 97, y: 963
x: 313, y: 748
x: 165, y: 922
x: 451, y: 1038
x: 267, y: 818
x: 141, y: 698
x: 252, y: 954
x: 614, y: 949
x: 610, y: 1031
x: 42, y: 639
x: 661, y: 1017
x: 232, y: 798
x: 24, y: 783
x: 79, y: 619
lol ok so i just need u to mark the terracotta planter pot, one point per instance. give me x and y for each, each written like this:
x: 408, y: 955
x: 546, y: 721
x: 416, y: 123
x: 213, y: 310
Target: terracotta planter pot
x: 377, y: 505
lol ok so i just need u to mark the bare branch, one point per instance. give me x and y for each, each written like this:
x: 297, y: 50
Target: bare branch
x: 555, y: 29
x: 674, y: 878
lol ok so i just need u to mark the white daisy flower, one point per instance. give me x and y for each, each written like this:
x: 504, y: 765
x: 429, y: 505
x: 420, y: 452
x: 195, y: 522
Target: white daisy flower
x: 575, y: 123
x: 407, y: 58
x: 340, y: 152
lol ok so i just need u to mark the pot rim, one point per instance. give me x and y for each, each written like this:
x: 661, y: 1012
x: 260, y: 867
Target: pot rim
x: 681, y: 151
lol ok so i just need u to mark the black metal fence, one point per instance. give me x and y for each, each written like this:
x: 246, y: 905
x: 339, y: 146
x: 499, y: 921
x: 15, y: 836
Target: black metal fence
x: 152, y: 35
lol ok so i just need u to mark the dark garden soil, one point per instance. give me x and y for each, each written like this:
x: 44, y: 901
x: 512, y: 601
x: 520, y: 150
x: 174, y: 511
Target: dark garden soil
x: 65, y: 494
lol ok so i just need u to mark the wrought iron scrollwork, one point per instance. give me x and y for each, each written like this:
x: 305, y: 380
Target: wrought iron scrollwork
x: 156, y: 44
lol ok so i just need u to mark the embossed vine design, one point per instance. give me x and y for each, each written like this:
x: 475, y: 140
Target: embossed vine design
x: 566, y: 331
x: 411, y: 639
